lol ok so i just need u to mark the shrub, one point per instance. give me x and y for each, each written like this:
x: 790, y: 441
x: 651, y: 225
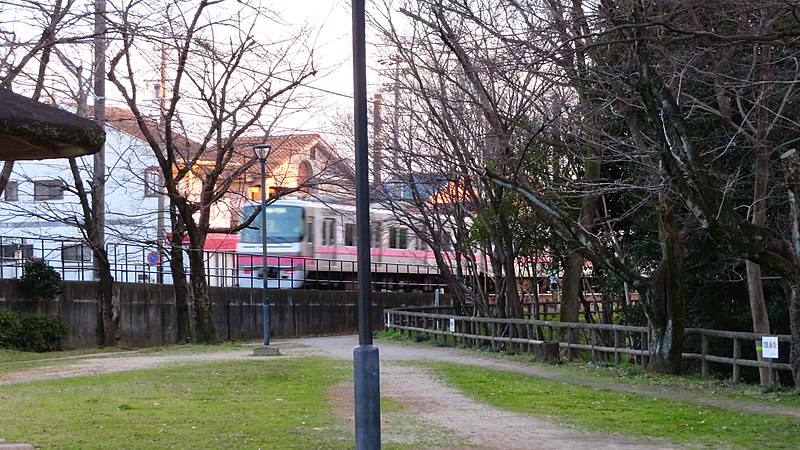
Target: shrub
x: 41, y: 333
x: 40, y: 281
x: 9, y: 328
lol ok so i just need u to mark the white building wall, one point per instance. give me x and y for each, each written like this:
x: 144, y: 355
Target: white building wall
x: 131, y: 217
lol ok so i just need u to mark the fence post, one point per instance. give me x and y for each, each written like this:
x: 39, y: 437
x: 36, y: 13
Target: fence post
x: 704, y: 353
x: 475, y: 339
x: 528, y: 333
x: 617, y: 354
x: 737, y: 353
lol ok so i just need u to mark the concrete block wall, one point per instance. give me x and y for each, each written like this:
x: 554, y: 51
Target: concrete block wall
x: 147, y: 312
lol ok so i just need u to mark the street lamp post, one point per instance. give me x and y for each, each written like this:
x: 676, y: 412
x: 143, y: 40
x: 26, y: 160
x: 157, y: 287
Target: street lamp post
x: 366, y: 360
x: 261, y: 151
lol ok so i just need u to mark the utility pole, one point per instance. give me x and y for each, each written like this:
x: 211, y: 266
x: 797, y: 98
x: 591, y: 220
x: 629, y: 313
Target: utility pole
x: 99, y: 175
x: 395, y: 124
x: 377, y: 147
x: 160, y: 235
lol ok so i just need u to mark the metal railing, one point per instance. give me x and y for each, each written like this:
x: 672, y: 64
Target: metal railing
x: 73, y: 260
x: 605, y: 341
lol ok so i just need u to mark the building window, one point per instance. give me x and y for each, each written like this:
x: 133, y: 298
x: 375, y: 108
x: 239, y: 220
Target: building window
x: 375, y: 235
x: 11, y: 193
x: 48, y: 190
x: 350, y: 234
x: 76, y: 252
x: 310, y: 228
x: 17, y: 251
x: 420, y: 244
x: 328, y: 231
x: 153, y: 182
x: 312, y: 153
x: 398, y: 237
x: 254, y: 193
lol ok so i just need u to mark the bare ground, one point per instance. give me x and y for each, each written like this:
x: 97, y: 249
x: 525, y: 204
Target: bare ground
x: 433, y: 413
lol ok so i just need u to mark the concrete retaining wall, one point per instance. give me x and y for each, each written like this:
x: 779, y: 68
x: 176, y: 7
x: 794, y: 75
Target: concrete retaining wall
x: 147, y: 313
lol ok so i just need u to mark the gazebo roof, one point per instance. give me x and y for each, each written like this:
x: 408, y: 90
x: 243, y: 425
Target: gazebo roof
x: 33, y: 130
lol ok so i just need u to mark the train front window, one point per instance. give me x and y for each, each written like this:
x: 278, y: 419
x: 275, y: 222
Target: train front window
x: 284, y: 224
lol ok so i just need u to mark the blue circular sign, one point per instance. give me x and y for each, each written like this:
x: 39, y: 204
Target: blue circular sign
x: 153, y: 258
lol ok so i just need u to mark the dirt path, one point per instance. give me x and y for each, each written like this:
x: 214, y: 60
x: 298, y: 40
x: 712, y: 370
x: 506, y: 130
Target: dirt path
x: 438, y: 408
x: 433, y: 402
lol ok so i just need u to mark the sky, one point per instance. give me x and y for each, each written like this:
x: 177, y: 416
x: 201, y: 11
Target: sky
x: 330, y: 22
x: 332, y: 42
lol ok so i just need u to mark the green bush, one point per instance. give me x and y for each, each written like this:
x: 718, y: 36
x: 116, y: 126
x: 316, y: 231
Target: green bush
x: 41, y: 333
x: 9, y: 328
x: 40, y: 281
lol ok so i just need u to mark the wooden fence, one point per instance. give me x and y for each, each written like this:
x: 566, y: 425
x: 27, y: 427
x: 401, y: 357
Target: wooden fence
x: 598, y: 339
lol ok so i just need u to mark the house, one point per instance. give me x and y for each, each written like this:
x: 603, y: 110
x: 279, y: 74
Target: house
x: 40, y: 214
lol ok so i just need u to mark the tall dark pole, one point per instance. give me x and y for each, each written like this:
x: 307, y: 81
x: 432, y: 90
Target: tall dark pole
x: 366, y: 363
x: 265, y: 290
x: 261, y: 151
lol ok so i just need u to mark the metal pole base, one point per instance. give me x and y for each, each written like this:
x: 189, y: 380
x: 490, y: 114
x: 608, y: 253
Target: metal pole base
x: 366, y: 365
x: 266, y: 350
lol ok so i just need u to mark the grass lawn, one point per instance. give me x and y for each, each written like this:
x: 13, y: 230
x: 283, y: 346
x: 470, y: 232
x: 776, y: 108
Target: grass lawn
x: 582, y: 371
x: 620, y: 412
x: 265, y: 403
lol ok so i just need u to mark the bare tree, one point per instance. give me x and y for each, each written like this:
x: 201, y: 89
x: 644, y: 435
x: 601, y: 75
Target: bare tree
x: 62, y: 24
x: 224, y: 81
x: 30, y: 40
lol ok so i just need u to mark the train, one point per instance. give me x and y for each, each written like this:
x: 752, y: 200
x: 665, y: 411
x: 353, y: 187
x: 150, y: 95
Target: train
x: 312, y: 244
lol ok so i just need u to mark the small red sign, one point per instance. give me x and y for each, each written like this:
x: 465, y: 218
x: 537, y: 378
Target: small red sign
x: 153, y: 258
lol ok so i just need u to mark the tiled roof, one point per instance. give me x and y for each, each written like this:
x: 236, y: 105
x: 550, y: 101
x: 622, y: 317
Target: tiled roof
x: 283, y: 146
x: 123, y: 120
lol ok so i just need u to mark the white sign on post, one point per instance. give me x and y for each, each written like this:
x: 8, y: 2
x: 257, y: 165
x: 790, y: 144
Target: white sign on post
x: 452, y: 325
x: 769, y: 346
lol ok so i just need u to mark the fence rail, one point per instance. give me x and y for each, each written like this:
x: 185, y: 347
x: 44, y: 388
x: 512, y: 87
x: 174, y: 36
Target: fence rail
x: 74, y: 261
x: 610, y: 340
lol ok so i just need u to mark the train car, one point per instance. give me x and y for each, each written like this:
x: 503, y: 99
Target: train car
x: 313, y: 244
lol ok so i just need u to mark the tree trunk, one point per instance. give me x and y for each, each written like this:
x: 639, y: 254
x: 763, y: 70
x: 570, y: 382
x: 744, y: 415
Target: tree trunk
x: 513, y: 303
x: 570, y: 287
x: 755, y: 291
x: 183, y: 313
x: 5, y: 174
x: 570, y: 298
x: 204, y: 325
x: 794, y: 281
x: 108, y: 311
x: 758, y: 312
x: 794, y: 345
x: 664, y: 302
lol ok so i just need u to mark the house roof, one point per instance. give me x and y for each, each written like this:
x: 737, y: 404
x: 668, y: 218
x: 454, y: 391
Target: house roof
x: 283, y: 146
x: 286, y: 149
x: 33, y: 130
x: 123, y: 120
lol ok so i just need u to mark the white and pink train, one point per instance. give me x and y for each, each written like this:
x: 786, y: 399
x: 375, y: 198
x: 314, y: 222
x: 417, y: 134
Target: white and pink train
x: 313, y: 244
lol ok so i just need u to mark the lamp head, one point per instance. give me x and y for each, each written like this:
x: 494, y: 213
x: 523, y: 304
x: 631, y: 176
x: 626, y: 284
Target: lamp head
x: 262, y: 150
